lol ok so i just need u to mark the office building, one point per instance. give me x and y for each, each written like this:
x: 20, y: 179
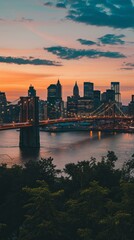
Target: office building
x: 110, y: 95
x: 131, y: 107
x: 72, y: 106
x: 54, y: 100
x: 116, y: 87
x: 97, y: 96
x: 76, y: 91
x: 85, y: 106
x: 88, y: 90
x: 52, y: 92
x: 59, y: 90
x: 3, y: 103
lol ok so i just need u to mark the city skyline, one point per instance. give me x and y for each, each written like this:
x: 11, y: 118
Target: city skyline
x: 83, y: 41
x: 72, y: 93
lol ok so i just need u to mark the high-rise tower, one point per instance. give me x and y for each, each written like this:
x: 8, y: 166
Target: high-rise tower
x: 52, y: 92
x: 88, y: 90
x: 116, y: 87
x: 59, y: 90
x: 76, y: 91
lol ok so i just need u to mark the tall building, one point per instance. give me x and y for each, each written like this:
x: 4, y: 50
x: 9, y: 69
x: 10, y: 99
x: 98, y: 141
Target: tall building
x: 76, y: 91
x: 88, y: 90
x: 85, y: 106
x: 3, y: 103
x: 54, y: 100
x: 131, y: 107
x: 110, y: 95
x: 31, y: 91
x: 97, y: 95
x: 59, y: 90
x: 103, y: 97
x: 52, y: 92
x: 72, y: 103
x: 116, y: 87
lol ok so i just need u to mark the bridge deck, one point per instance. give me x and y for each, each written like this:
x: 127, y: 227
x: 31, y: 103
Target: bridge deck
x: 63, y: 120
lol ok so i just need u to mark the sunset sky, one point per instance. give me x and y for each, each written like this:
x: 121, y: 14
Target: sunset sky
x: 73, y: 40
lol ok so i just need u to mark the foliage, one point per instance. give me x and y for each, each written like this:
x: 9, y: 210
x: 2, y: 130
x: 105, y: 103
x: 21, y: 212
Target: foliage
x: 91, y: 201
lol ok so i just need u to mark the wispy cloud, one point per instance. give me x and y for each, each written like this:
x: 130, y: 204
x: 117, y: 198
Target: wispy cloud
x: 113, y: 13
x: 17, y: 20
x: 23, y: 19
x: 108, y: 39
x: 71, y: 53
x: 127, y: 66
x: 112, y: 39
x: 61, y: 5
x: 30, y: 60
x: 86, y: 42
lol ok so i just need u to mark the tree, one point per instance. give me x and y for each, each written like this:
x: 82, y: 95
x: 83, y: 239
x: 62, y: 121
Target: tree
x: 42, y: 220
x: 128, y: 170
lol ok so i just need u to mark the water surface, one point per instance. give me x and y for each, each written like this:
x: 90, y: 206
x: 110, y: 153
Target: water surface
x: 66, y: 147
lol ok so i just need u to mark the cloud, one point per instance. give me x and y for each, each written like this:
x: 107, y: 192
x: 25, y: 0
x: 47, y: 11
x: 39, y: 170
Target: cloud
x: 49, y: 4
x: 71, y: 53
x: 111, y: 13
x: 86, y: 42
x: 23, y: 19
x: 130, y: 64
x: 112, y: 39
x: 61, y: 5
x: 31, y: 61
x: 127, y: 66
x: 17, y: 20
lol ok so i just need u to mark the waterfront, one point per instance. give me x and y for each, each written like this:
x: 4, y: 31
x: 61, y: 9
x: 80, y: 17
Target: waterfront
x: 67, y: 147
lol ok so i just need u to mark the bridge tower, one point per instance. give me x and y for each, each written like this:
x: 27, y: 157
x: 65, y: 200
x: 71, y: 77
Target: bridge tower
x: 29, y: 112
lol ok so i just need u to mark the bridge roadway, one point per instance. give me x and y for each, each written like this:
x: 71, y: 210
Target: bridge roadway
x: 62, y: 120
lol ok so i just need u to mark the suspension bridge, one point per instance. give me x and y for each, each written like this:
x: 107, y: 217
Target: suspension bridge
x: 29, y: 119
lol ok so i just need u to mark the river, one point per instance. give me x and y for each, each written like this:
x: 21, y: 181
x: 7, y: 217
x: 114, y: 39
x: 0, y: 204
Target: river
x: 67, y: 147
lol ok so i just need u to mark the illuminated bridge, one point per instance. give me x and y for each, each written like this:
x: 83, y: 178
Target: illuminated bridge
x: 29, y: 120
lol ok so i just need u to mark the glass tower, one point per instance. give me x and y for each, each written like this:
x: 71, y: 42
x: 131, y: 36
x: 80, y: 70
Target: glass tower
x: 116, y: 87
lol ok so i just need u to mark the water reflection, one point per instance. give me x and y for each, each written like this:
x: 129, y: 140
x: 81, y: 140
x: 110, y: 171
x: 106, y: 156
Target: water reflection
x: 67, y: 147
x: 91, y: 134
x: 29, y: 154
x: 99, y: 135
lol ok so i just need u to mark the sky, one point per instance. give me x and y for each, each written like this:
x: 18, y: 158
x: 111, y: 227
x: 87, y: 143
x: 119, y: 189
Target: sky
x: 42, y: 41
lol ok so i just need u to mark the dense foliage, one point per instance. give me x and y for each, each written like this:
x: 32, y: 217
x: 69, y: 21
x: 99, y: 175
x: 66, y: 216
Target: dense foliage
x: 89, y: 200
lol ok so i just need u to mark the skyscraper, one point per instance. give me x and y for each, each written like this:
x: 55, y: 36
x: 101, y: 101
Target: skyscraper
x: 110, y: 95
x: 31, y: 91
x: 116, y: 87
x: 76, y: 91
x: 3, y: 103
x: 131, y: 107
x: 54, y: 100
x: 52, y: 92
x: 97, y: 95
x: 59, y: 90
x: 88, y: 90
